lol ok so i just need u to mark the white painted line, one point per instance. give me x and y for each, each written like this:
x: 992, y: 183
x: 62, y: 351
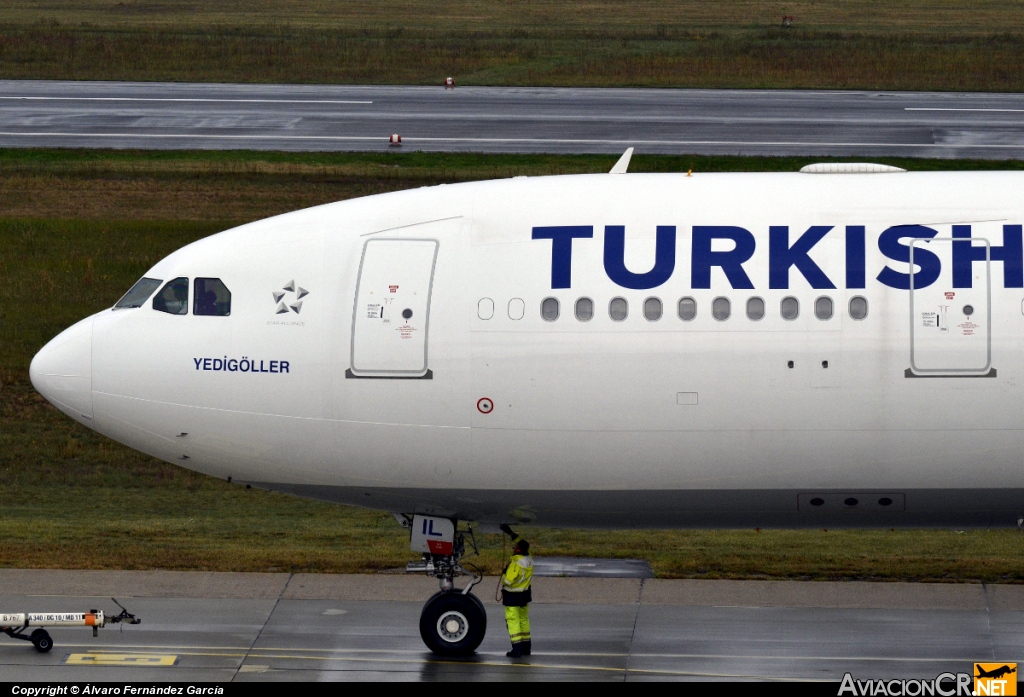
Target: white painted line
x: 704, y: 142
x: 189, y: 99
x: 928, y: 108
x: 525, y: 141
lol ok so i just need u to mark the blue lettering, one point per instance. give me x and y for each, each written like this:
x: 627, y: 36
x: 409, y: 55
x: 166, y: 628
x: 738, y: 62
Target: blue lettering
x: 615, y: 258
x: 889, y: 245
x: 1011, y: 254
x: 731, y: 262
x: 561, y: 249
x: 244, y: 365
x: 855, y: 253
x: 781, y: 256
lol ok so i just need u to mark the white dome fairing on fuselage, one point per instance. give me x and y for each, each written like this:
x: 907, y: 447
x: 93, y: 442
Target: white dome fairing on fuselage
x: 476, y: 407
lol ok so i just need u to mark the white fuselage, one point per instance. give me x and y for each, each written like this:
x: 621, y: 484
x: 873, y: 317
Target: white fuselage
x: 477, y: 406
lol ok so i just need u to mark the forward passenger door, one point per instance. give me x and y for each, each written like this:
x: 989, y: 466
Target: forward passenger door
x: 391, y: 317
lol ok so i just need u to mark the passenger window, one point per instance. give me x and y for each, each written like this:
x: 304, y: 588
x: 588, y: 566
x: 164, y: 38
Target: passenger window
x: 138, y: 294
x: 652, y: 309
x: 516, y: 308
x: 790, y: 308
x: 618, y: 309
x: 549, y: 309
x: 755, y: 308
x: 485, y: 308
x: 687, y: 309
x: 721, y: 308
x: 173, y: 298
x: 858, y: 307
x: 823, y: 307
x: 212, y: 297
x: 584, y: 309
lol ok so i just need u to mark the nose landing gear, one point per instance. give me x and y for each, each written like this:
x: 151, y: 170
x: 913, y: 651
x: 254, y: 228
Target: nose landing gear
x: 453, y: 621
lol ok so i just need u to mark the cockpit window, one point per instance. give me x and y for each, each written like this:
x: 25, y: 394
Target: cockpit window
x: 138, y: 294
x: 211, y: 297
x: 173, y: 298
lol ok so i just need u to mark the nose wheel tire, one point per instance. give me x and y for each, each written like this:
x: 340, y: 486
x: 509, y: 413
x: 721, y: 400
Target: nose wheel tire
x: 41, y: 640
x: 453, y: 624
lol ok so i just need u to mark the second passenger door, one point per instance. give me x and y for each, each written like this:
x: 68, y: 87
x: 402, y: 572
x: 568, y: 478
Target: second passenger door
x: 950, y: 328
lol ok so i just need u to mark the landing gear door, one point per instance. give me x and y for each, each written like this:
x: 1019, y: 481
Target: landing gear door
x: 432, y: 535
x: 392, y: 309
x: 950, y: 328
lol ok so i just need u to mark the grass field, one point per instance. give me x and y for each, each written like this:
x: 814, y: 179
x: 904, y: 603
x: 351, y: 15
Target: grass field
x: 842, y: 44
x: 77, y: 228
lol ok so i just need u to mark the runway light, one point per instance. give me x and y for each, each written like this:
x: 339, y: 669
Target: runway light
x: 449, y: 83
x: 395, y: 140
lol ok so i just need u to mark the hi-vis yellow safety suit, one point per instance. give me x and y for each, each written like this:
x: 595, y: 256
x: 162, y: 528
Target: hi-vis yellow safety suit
x: 516, y: 596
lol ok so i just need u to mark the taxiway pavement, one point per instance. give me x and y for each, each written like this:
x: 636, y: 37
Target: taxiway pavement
x: 500, y: 119
x: 317, y: 627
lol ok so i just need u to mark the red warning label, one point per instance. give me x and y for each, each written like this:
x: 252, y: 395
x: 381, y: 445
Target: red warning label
x: 439, y: 547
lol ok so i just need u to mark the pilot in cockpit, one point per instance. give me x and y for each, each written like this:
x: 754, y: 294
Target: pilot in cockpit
x: 206, y: 304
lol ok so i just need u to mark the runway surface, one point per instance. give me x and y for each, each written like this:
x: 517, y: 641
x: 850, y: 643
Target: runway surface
x: 266, y: 627
x: 492, y: 119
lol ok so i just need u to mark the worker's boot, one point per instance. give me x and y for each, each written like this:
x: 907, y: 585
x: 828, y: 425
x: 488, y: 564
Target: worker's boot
x: 516, y: 652
x: 524, y: 646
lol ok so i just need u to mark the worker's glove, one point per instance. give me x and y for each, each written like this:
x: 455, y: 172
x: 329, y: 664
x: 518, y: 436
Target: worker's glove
x: 507, y: 530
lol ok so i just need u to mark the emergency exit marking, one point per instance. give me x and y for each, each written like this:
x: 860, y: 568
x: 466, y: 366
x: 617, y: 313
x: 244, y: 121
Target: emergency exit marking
x: 121, y: 659
x: 485, y: 406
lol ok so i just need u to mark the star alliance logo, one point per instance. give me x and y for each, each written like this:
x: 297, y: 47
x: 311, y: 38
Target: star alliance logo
x: 295, y: 304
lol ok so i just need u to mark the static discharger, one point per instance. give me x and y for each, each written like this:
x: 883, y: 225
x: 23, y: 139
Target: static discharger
x: 14, y: 624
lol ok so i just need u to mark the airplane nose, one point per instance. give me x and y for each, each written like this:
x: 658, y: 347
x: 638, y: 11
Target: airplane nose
x: 62, y: 370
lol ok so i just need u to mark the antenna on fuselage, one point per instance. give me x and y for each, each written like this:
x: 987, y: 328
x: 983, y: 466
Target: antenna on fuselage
x: 623, y: 164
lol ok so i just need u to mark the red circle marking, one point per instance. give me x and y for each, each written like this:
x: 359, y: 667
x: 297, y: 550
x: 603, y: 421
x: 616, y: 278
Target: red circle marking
x: 485, y: 405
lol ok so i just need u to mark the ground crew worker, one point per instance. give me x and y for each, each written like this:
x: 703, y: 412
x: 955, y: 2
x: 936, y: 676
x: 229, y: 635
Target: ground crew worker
x: 516, y: 594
